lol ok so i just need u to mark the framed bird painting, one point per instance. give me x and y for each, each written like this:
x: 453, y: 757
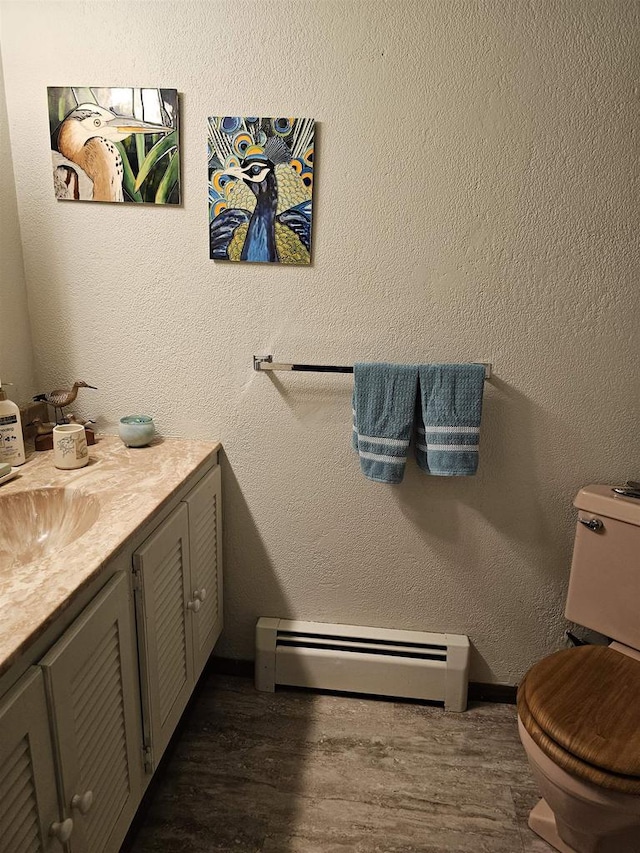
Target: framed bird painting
x: 260, y: 189
x: 115, y: 144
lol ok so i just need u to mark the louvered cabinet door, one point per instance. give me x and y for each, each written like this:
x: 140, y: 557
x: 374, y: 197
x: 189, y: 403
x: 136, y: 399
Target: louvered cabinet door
x: 163, y: 603
x: 91, y: 677
x: 28, y: 799
x: 205, y: 541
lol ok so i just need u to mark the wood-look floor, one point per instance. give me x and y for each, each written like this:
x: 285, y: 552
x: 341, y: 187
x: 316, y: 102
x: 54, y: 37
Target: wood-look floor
x: 298, y: 772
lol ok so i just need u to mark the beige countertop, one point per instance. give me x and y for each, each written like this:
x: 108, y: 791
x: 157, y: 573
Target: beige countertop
x: 129, y: 485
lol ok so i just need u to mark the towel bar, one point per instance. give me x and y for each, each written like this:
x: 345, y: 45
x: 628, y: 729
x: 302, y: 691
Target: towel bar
x: 266, y: 362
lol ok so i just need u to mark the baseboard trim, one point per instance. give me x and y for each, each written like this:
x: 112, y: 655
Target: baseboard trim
x: 478, y: 691
x: 231, y: 666
x: 504, y: 694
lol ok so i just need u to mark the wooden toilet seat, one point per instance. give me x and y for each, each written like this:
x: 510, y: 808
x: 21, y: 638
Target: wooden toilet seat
x: 582, y: 708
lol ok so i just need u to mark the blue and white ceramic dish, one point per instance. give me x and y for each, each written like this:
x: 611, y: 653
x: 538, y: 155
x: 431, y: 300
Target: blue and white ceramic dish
x: 136, y: 430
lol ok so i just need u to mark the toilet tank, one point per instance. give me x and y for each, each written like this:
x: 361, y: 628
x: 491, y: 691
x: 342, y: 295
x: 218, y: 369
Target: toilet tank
x: 604, y: 585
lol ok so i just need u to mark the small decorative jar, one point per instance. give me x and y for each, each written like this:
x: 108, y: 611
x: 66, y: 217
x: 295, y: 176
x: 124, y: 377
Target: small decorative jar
x: 136, y: 430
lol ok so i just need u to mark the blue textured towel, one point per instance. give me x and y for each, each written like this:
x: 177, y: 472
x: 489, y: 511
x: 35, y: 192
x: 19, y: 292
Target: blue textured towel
x: 450, y: 407
x: 384, y: 400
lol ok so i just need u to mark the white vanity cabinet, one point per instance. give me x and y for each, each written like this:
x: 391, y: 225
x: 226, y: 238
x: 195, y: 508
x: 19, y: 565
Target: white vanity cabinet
x: 178, y: 589
x: 91, y: 704
x: 28, y: 803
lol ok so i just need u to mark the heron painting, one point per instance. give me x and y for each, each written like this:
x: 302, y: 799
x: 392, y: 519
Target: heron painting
x: 115, y: 144
x: 260, y: 186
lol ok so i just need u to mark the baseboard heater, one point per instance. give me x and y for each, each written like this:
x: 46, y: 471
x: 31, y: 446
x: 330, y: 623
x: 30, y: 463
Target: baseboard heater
x: 357, y: 659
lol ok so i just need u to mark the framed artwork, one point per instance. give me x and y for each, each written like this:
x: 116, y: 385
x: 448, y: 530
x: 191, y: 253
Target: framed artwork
x: 115, y: 144
x: 260, y: 189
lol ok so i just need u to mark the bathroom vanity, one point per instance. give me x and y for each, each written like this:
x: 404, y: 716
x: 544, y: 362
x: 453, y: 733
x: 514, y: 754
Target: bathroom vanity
x: 111, y: 601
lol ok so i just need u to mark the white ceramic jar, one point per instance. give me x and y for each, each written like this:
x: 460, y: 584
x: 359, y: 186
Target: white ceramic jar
x: 70, y: 446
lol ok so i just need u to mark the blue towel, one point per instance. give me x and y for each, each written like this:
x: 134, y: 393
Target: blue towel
x: 384, y: 400
x: 448, y: 425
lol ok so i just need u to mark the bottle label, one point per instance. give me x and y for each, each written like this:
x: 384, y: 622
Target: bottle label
x: 11, y: 446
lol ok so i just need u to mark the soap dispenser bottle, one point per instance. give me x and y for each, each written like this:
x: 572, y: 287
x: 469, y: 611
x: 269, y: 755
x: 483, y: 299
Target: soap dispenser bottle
x: 11, y: 441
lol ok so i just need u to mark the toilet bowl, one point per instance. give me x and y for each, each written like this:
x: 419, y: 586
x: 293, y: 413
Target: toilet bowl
x: 576, y: 816
x: 579, y: 709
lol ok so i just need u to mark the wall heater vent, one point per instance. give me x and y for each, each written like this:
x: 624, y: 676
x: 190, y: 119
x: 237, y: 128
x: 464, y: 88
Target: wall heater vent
x: 356, y: 659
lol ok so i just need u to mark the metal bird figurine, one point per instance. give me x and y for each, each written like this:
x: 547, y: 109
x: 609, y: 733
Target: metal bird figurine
x: 86, y: 138
x: 62, y: 397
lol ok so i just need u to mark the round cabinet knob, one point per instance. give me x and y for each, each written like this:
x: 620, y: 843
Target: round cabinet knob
x: 62, y: 830
x: 194, y: 605
x: 592, y: 523
x: 82, y: 802
x: 200, y: 594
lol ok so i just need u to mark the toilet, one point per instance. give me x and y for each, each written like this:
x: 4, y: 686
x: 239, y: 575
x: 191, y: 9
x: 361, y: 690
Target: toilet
x: 579, y: 709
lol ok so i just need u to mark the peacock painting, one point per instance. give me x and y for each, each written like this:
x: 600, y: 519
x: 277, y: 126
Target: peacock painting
x: 260, y: 187
x: 115, y: 144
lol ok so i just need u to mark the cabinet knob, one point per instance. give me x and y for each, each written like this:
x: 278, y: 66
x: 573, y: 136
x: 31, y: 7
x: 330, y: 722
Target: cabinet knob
x: 82, y: 802
x: 62, y: 830
x: 194, y: 605
x: 200, y: 594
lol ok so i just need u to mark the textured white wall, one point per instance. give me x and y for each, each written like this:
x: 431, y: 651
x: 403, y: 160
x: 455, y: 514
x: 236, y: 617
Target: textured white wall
x: 475, y: 199
x: 16, y: 354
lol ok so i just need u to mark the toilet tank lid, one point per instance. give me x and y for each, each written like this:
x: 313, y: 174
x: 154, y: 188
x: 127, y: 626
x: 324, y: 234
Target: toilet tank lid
x: 600, y: 500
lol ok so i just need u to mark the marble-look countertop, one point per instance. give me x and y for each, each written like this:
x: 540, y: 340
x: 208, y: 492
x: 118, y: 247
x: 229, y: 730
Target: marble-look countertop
x: 130, y: 485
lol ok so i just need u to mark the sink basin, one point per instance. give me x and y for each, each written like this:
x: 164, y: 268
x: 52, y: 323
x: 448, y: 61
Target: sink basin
x: 40, y: 522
